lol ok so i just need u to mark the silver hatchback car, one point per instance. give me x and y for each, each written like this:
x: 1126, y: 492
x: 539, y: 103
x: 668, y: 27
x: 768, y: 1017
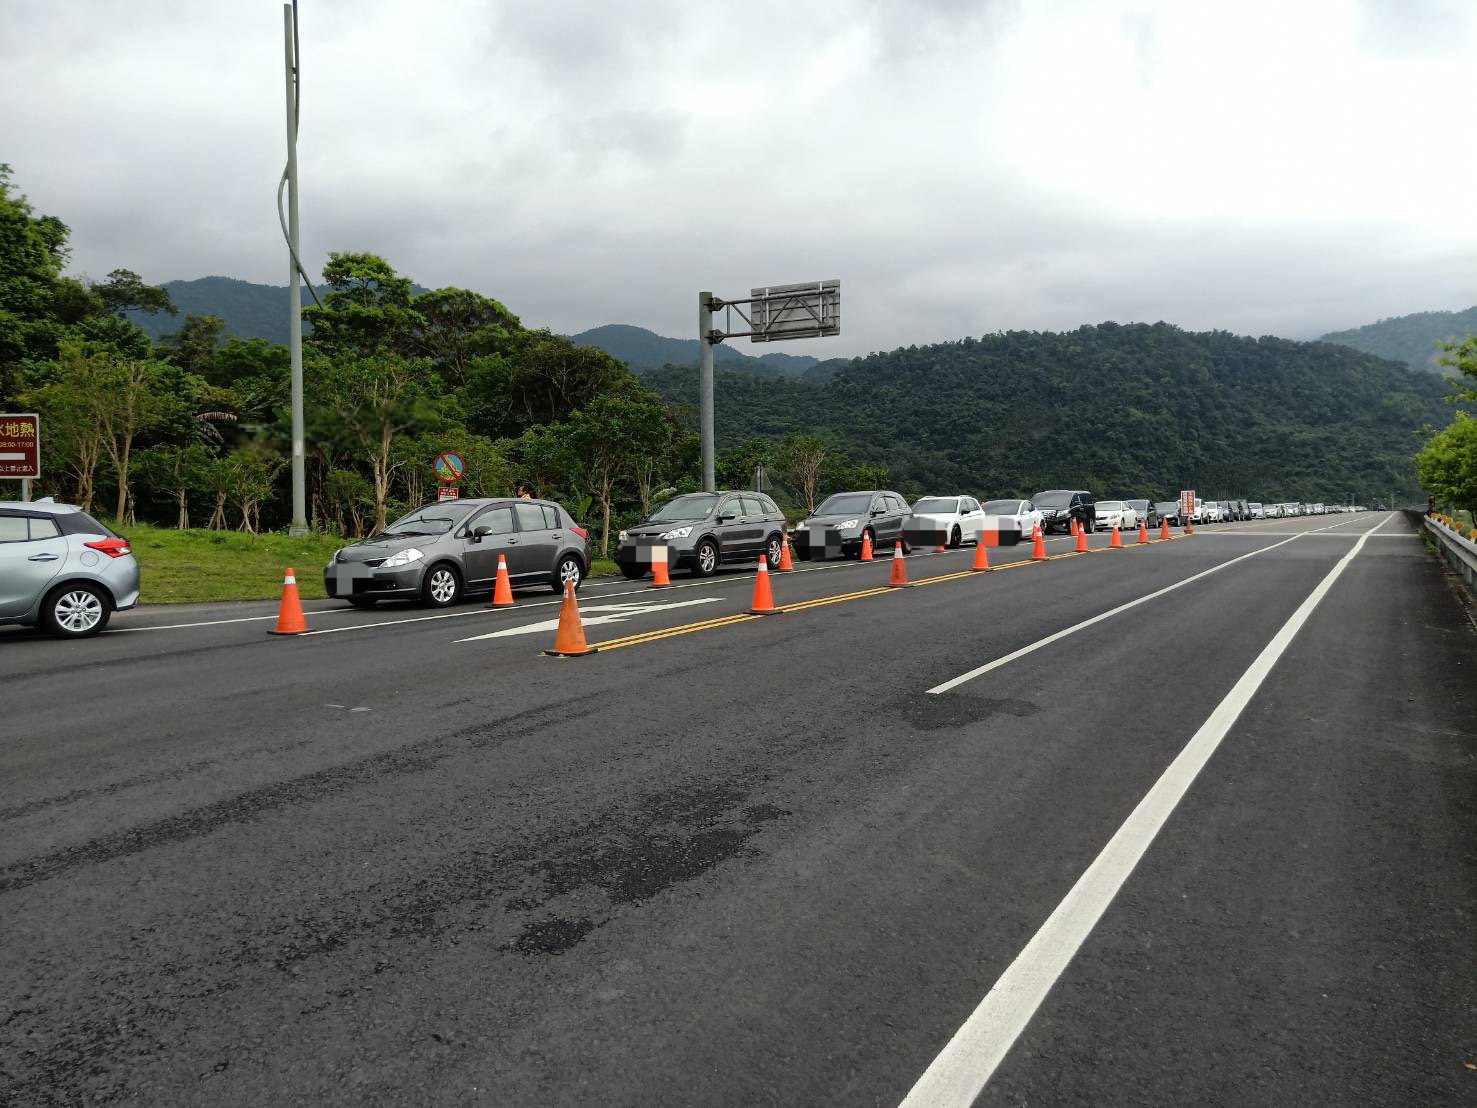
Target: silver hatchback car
x: 62, y: 569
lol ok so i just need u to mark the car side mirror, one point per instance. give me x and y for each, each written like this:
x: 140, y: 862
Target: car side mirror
x: 878, y: 511
x: 725, y: 517
x: 480, y: 532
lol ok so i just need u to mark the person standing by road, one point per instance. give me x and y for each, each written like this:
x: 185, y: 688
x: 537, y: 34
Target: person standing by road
x: 522, y: 491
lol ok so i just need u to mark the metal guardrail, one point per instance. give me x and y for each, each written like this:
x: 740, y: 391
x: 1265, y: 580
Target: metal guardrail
x: 1460, y: 552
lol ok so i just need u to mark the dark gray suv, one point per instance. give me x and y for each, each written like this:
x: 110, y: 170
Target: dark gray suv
x: 701, y: 530
x: 448, y: 550
x: 843, y: 519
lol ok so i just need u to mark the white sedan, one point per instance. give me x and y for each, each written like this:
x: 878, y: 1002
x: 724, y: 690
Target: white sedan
x: 1025, y: 515
x: 957, y: 518
x: 1115, y: 513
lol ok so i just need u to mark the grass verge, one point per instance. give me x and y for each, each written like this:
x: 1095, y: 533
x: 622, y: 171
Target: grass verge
x: 197, y: 566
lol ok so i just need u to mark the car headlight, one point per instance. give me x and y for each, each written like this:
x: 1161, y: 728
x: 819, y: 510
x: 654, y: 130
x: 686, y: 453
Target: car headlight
x: 677, y: 533
x: 403, y: 558
x: 842, y: 526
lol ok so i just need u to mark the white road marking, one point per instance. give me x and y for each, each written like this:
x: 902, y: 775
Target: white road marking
x: 595, y: 616
x: 962, y: 1069
x: 1056, y: 636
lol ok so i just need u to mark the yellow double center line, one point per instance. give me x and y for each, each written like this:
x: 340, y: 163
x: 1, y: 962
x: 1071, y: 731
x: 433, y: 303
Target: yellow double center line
x: 821, y: 602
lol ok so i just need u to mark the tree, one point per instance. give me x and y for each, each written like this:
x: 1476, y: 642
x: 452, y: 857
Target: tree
x: 193, y: 347
x: 124, y: 291
x: 1462, y: 356
x: 366, y: 311
x: 127, y: 404
x: 607, y: 438
x: 801, y: 458
x: 1448, y: 464
x: 177, y: 469
x: 454, y: 327
x: 67, y: 404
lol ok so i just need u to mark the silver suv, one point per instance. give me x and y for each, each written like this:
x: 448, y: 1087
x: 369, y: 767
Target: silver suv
x: 448, y: 550
x: 62, y: 569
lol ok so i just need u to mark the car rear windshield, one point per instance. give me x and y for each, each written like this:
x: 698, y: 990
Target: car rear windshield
x: 1052, y: 499
x: 1002, y: 507
x: 940, y: 505
x: 1167, y: 506
x: 695, y: 505
x: 428, y: 521
x: 844, y: 502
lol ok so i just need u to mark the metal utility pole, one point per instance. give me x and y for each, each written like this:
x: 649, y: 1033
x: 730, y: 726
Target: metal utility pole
x: 299, y: 525
x: 705, y: 386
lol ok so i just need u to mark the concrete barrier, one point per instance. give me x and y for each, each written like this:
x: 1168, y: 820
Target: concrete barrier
x: 1459, y: 551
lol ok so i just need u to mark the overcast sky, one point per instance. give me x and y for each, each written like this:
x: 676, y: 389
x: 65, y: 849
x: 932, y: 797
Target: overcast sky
x: 963, y: 167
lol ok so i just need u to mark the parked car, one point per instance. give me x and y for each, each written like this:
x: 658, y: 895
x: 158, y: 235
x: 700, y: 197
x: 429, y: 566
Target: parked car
x: 1146, y: 510
x: 449, y: 550
x: 1115, y: 513
x: 1170, y: 510
x: 1256, y: 511
x: 703, y: 530
x: 842, y: 519
x: 1060, y: 506
x: 1024, y: 513
x: 958, y: 519
x: 62, y: 570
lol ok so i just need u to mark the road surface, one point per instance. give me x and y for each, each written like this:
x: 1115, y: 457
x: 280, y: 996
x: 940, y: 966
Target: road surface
x: 1192, y: 823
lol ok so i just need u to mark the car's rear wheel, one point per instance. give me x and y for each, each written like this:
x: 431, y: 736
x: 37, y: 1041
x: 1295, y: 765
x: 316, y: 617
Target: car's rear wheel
x: 441, y: 587
x: 633, y: 573
x: 569, y: 569
x: 75, y: 611
x: 772, y: 551
x: 705, y: 559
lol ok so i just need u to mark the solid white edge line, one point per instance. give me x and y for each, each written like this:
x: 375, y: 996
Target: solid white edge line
x: 1056, y: 636
x: 962, y: 1069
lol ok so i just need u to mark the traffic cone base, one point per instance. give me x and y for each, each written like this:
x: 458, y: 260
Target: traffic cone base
x: 981, y: 557
x: 786, y: 564
x: 763, y: 597
x: 660, y: 579
x: 290, y: 613
x: 569, y: 640
x: 899, y: 576
x: 502, y: 592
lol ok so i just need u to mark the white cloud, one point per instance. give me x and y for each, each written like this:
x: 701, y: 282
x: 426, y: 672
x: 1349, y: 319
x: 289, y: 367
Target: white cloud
x: 962, y: 167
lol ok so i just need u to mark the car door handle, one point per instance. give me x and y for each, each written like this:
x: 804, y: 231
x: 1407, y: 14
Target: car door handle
x: 42, y: 558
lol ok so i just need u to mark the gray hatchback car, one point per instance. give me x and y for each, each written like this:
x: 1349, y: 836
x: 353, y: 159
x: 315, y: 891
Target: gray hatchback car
x: 448, y: 550
x: 62, y: 569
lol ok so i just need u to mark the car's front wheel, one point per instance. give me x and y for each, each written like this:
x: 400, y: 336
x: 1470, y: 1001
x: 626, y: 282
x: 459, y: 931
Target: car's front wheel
x: 441, y: 587
x: 705, y: 559
x: 773, y: 551
x: 75, y: 611
x: 569, y: 569
x: 956, y: 540
x: 633, y: 572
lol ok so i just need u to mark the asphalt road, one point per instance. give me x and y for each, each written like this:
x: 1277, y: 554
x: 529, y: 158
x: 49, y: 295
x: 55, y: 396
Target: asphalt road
x: 1198, y: 826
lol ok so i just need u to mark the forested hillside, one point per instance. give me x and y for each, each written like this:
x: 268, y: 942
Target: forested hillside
x: 1413, y: 339
x: 1146, y: 409
x: 642, y: 349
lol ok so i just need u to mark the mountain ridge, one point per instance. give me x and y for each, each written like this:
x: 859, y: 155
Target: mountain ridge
x: 1413, y: 339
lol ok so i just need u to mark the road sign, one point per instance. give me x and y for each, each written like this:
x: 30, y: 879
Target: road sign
x: 20, y: 445
x: 449, y: 468
x: 805, y: 311
x: 448, y: 492
x: 1187, y: 505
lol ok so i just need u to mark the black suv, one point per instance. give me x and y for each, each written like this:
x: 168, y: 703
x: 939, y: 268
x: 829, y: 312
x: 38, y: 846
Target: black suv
x: 1059, y: 507
x: 701, y: 530
x: 1148, y: 512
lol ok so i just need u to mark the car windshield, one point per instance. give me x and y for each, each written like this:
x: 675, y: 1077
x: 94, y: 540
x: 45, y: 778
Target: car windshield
x: 695, y: 505
x: 1052, y: 499
x: 1167, y: 506
x: 435, y: 520
x: 1139, y: 504
x: 938, y: 505
x: 844, y: 503
x: 1002, y: 507
x: 1110, y: 505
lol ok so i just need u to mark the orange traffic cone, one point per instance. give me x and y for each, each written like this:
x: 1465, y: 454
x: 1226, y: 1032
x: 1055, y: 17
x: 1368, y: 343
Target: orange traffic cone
x: 981, y: 557
x: 1039, y: 553
x: 1076, y: 527
x: 1189, y: 530
x: 290, y: 615
x: 1115, y: 541
x: 502, y: 592
x: 1143, y: 533
x: 1081, y: 546
x: 899, y: 577
x: 763, y: 598
x: 569, y: 640
x: 786, y: 565
x: 1163, y: 530
x: 659, y: 576
x: 866, y: 546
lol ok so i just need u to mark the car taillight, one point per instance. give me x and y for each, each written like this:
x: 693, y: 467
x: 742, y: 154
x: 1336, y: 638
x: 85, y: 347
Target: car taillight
x: 581, y: 532
x: 113, y: 548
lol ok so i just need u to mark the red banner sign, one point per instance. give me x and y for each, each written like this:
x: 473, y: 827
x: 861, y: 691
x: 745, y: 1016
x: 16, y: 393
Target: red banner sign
x: 20, y: 445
